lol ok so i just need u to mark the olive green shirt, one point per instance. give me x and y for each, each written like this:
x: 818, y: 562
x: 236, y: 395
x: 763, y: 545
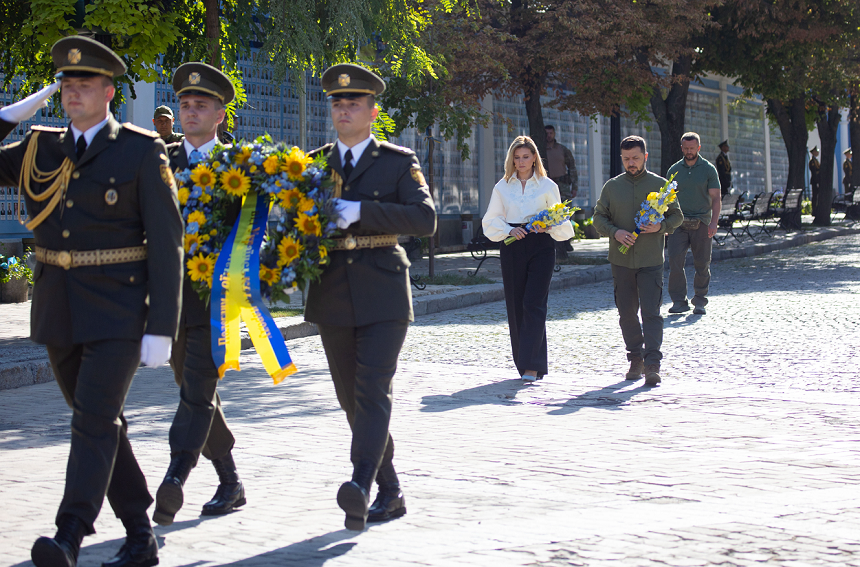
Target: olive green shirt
x: 620, y: 201
x: 173, y: 138
x: 693, y: 185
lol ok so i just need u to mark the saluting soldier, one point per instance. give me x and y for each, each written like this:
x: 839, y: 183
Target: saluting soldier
x: 163, y: 119
x: 724, y: 169
x: 104, y: 214
x: 199, y: 425
x: 814, y: 176
x: 847, y: 171
x: 363, y: 305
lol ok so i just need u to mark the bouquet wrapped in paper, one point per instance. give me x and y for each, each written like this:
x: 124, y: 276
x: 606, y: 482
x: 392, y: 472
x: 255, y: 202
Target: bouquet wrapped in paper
x: 548, y: 218
x: 653, y: 208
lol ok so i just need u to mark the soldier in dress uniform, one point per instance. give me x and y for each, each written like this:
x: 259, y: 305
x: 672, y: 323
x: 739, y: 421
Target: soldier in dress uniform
x: 163, y: 121
x: 363, y: 304
x: 847, y: 171
x: 724, y: 169
x: 106, y: 296
x: 814, y: 175
x: 199, y: 425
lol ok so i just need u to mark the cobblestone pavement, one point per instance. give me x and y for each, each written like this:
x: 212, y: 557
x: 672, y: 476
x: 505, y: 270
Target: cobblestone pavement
x: 747, y: 454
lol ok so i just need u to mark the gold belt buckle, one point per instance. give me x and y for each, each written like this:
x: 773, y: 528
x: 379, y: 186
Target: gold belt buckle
x: 64, y: 259
x: 349, y: 242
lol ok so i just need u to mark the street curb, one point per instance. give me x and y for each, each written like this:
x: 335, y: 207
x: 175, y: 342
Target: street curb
x: 37, y: 372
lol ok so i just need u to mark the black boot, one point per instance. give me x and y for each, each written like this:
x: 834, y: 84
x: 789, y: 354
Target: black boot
x: 140, y: 548
x: 169, y: 498
x: 390, y: 502
x: 230, y: 493
x: 354, y: 496
x: 63, y: 549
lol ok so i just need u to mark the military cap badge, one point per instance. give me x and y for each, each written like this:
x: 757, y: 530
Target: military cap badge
x: 194, y: 78
x: 343, y: 80
x: 74, y: 56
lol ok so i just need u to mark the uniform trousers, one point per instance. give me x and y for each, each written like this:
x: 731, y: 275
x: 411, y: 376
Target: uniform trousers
x: 526, y: 273
x: 199, y: 425
x: 700, y: 243
x: 95, y: 378
x: 640, y: 289
x: 363, y: 361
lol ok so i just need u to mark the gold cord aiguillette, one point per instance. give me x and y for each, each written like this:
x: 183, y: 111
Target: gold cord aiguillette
x: 57, y: 189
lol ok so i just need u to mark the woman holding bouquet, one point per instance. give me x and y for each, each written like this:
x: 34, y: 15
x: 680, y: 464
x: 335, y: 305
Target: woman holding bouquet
x: 527, y: 263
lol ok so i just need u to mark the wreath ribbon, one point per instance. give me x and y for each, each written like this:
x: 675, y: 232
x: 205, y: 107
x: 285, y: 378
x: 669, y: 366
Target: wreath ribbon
x: 236, y: 297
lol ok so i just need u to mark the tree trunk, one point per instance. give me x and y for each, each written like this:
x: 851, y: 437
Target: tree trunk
x: 792, y: 124
x: 213, y: 32
x: 828, y: 124
x: 669, y: 112
x: 854, y: 135
x: 532, y: 91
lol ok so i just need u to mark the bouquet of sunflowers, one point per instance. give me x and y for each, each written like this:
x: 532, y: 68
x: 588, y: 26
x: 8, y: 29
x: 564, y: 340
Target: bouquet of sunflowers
x: 294, y: 250
x: 548, y: 218
x: 653, y: 208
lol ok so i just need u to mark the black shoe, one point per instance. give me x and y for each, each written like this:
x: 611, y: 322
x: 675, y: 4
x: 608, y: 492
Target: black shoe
x: 62, y: 550
x: 699, y: 310
x: 169, y: 498
x: 679, y: 307
x: 353, y: 497
x: 230, y: 493
x: 389, y: 504
x: 140, y: 548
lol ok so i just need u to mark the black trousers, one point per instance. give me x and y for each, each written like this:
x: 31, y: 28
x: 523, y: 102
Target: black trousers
x: 199, y: 425
x: 526, y: 273
x: 363, y: 361
x: 640, y: 289
x: 95, y: 379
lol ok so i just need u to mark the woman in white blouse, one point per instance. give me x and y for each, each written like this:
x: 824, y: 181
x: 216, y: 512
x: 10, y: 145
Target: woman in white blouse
x: 527, y: 264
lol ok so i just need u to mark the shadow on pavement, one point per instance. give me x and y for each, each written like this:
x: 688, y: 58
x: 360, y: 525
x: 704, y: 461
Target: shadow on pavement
x: 503, y: 392
x: 680, y: 319
x: 313, y: 552
x: 91, y: 554
x: 607, y: 397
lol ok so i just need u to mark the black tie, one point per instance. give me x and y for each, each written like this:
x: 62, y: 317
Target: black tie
x: 347, y: 164
x: 81, y: 146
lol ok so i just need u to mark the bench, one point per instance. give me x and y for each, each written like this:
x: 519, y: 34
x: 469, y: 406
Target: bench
x: 848, y: 204
x: 728, y: 215
x: 758, y: 211
x: 479, y: 247
x: 789, y: 216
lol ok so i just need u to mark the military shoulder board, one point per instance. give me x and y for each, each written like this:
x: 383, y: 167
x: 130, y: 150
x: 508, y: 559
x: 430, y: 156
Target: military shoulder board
x: 48, y: 129
x: 139, y: 130
x: 396, y: 148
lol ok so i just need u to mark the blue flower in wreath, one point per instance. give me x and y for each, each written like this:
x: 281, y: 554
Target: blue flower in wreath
x: 192, y: 228
x: 196, y: 192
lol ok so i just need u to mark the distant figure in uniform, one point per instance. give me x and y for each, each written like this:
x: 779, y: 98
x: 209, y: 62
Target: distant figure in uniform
x: 561, y: 168
x: 108, y: 232
x: 199, y: 425
x: 724, y: 169
x: 363, y: 305
x: 847, y: 171
x: 163, y: 120
x: 814, y: 176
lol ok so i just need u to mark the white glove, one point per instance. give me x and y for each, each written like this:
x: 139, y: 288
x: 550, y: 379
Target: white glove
x: 24, y: 109
x: 348, y: 212
x: 155, y: 350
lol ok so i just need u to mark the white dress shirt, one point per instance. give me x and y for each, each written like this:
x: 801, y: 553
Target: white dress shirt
x: 90, y: 132
x: 357, y: 150
x: 511, y: 204
x: 204, y: 150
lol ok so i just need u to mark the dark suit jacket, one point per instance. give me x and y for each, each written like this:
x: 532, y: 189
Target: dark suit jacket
x: 195, y: 311
x: 360, y: 287
x: 724, y: 171
x: 117, y: 301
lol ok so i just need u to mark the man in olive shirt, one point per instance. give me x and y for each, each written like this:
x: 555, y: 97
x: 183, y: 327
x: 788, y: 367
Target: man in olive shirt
x: 699, y: 197
x: 638, y: 274
x: 163, y: 121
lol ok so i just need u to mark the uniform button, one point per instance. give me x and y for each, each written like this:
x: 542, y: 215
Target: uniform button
x: 66, y: 233
x: 112, y: 180
x: 131, y: 279
x: 346, y: 188
x: 76, y: 175
x: 70, y: 204
x: 349, y: 260
x: 376, y: 193
x: 398, y: 268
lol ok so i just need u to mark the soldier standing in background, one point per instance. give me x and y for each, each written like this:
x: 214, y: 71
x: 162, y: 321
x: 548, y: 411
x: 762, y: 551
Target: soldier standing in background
x: 561, y: 168
x: 199, y: 425
x: 814, y: 176
x: 847, y: 171
x: 724, y: 169
x: 108, y: 234
x: 163, y: 121
x: 363, y: 304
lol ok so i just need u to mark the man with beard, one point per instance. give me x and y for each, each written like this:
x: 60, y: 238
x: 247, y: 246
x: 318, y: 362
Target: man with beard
x: 699, y: 197
x: 637, y: 275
